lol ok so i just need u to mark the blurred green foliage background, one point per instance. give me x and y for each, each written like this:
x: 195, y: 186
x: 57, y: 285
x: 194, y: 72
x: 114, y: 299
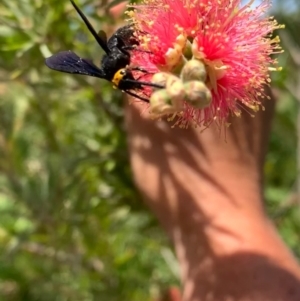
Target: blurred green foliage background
x: 72, y: 225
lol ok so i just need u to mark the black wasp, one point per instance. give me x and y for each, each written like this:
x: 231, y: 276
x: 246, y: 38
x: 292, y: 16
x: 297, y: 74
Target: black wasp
x: 115, y: 64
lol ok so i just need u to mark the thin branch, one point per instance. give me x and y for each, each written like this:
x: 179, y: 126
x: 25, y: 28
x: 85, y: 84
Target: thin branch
x: 292, y: 48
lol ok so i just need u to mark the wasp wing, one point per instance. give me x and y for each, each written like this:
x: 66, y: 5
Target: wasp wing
x: 69, y: 62
x: 99, y: 38
x: 103, y: 36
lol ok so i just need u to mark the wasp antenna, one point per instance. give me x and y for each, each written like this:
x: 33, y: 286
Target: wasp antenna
x: 98, y: 38
x: 149, y: 84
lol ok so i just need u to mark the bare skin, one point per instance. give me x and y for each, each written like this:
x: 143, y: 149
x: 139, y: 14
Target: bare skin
x: 207, y: 194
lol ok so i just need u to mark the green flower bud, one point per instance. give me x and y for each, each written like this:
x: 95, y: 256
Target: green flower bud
x: 197, y: 94
x: 193, y: 70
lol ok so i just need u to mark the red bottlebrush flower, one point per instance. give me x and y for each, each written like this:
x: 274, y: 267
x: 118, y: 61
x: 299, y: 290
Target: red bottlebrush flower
x: 233, y: 42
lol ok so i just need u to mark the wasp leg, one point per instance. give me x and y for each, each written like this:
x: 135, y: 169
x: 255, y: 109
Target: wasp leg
x: 138, y: 78
x: 137, y: 96
x: 141, y: 70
